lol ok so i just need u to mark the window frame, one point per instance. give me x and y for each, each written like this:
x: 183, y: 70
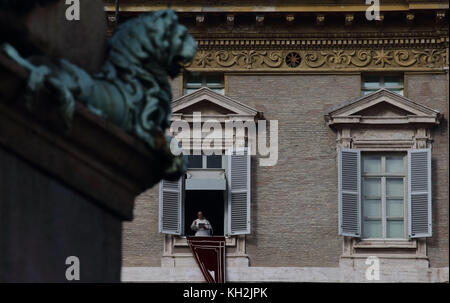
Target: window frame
x: 205, y: 162
x: 204, y: 83
x: 204, y: 167
x: 383, y: 175
x: 366, y: 90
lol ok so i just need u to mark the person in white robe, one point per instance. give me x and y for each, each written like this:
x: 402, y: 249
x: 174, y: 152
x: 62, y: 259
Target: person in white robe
x: 201, y: 226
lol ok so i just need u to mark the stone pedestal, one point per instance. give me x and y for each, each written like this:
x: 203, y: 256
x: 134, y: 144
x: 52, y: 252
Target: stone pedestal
x: 65, y: 192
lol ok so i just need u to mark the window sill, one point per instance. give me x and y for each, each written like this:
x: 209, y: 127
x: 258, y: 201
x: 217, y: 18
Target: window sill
x: 180, y: 241
x: 410, y: 244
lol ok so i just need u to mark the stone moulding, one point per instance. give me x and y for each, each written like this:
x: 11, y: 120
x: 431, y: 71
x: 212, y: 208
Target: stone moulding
x: 409, y: 53
x: 320, y: 60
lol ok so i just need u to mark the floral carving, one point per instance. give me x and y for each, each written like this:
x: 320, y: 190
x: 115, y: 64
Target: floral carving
x: 427, y: 57
x: 361, y: 58
x: 319, y: 59
x: 314, y: 60
x: 203, y: 59
x: 403, y: 58
x: 382, y: 58
x: 249, y: 58
x: 338, y: 57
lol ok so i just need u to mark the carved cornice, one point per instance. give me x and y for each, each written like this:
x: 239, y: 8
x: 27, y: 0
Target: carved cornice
x: 312, y: 39
x: 136, y: 6
x: 321, y: 54
x: 320, y: 60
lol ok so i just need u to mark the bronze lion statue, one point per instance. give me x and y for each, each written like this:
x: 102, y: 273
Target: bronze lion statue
x: 132, y: 88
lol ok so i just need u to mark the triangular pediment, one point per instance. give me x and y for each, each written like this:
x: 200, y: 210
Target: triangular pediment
x: 382, y: 106
x: 211, y: 103
x: 383, y: 109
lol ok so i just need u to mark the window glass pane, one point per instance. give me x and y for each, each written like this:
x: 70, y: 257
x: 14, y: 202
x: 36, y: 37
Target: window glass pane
x: 393, y: 81
x: 394, y: 187
x: 372, y: 164
x: 214, y: 161
x: 190, y: 90
x: 372, y: 229
x: 377, y: 182
x: 214, y: 80
x: 395, y: 229
x: 394, y: 164
x: 194, y: 79
x: 219, y: 90
x: 367, y: 92
x: 372, y: 208
x: 194, y: 161
x: 192, y: 85
x: 394, y: 207
x: 371, y: 82
x: 397, y: 91
x: 372, y: 187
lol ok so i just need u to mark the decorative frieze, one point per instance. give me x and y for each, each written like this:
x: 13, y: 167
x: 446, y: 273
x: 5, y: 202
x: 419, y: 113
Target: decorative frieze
x: 298, y: 59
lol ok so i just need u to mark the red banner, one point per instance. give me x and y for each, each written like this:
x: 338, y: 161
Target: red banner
x: 209, y: 252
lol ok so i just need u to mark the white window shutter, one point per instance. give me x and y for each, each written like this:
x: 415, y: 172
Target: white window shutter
x: 238, y: 185
x: 349, y: 179
x: 171, y: 207
x: 419, y: 193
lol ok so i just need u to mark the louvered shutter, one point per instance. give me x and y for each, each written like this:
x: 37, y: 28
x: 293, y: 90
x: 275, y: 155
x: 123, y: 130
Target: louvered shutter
x: 349, y: 179
x: 171, y: 207
x: 238, y: 182
x: 419, y: 193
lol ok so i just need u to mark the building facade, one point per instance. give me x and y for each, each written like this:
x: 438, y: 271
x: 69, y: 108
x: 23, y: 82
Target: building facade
x: 361, y: 109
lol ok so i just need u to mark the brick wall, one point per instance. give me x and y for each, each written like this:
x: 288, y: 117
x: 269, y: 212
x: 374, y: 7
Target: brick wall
x: 142, y: 243
x: 432, y: 90
x: 294, y: 204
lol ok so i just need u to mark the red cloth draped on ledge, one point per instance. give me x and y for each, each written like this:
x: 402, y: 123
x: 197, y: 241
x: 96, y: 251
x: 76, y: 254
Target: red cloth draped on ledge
x: 209, y: 252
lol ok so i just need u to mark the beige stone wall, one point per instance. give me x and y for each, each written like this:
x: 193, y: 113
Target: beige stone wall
x: 432, y: 90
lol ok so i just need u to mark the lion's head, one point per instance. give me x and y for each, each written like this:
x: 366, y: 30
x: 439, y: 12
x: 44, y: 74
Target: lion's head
x: 154, y: 40
x: 143, y: 53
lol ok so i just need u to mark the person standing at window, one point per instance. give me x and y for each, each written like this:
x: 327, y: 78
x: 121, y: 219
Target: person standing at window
x: 201, y: 226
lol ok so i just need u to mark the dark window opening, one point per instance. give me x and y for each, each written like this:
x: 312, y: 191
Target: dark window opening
x: 198, y: 161
x: 211, y: 203
x: 214, y: 161
x: 194, y: 161
x: 194, y: 80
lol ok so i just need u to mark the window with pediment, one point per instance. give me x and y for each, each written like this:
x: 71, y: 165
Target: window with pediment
x: 384, y: 151
x: 217, y: 182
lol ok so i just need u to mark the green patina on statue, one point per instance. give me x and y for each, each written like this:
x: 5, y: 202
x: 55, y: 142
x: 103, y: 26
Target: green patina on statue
x: 132, y: 90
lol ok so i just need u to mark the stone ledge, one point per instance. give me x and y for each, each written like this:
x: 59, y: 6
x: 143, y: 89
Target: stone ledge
x: 181, y: 241
x: 285, y: 274
x: 94, y: 157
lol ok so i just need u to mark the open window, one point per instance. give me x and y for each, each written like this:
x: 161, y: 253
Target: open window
x: 216, y: 183
x: 205, y: 191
